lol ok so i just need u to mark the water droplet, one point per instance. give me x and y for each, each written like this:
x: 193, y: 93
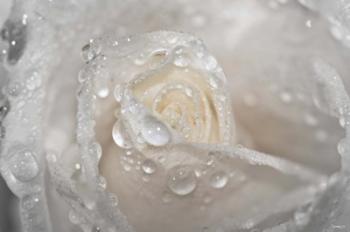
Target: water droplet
x: 207, y: 199
x: 154, y: 132
x: 103, y: 92
x: 28, y: 202
x: 34, y: 81
x: 211, y: 63
x: 24, y: 19
x: 308, y: 23
x: 342, y: 121
x: 219, y: 179
x: 15, y: 32
x: 120, y: 135
x: 301, y: 217
x: 149, y: 166
x: 4, y: 108
x: 126, y: 166
x: 118, y: 93
x: 51, y: 157
x: 181, y: 61
x: 342, y: 147
x: 166, y: 198
x: 213, y: 82
x: 96, y: 229
x: 286, y: 97
x: 24, y: 166
x: 198, y: 20
x: 13, y: 89
x: 95, y: 149
x: 182, y: 180
x: 73, y: 217
x: 2, y: 133
x: 90, y: 51
x: 310, y: 120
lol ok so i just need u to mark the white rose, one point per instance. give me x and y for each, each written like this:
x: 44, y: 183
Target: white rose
x: 165, y: 147
x: 164, y: 122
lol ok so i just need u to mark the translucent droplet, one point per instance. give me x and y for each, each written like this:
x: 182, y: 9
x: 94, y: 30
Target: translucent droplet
x: 103, y: 91
x: 96, y: 229
x: 15, y: 32
x: 149, y: 166
x: 182, y: 180
x: 219, y: 179
x: 29, y: 202
x: 95, y: 149
x: 34, y: 81
x: 2, y: 133
x: 90, y: 51
x: 24, y: 166
x: 118, y: 93
x: 154, y: 132
x: 211, y: 63
x: 114, y: 199
x: 301, y: 217
x: 181, y: 61
x: 198, y: 20
x: 120, y: 135
x: 51, y: 157
x: 308, y: 23
x: 126, y: 167
x: 73, y: 217
x: 213, y: 82
x: 166, y: 198
x: 286, y: 97
x: 342, y: 121
x: 207, y: 199
x: 342, y: 145
x: 4, y: 108
x: 310, y: 120
x: 14, y: 89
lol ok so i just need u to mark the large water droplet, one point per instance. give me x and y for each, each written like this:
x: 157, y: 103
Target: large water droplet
x: 120, y: 135
x: 155, y: 132
x: 218, y: 179
x: 23, y: 165
x: 149, y: 166
x: 182, y: 180
x: 29, y: 202
x: 15, y: 33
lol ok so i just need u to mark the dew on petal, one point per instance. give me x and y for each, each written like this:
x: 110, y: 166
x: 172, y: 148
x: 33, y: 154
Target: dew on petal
x: 182, y: 180
x: 154, y: 132
x: 149, y: 166
x: 29, y: 201
x: 120, y: 136
x: 24, y: 166
x: 218, y: 179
